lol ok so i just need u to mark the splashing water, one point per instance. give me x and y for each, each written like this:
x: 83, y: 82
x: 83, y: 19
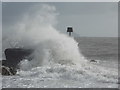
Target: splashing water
x: 36, y: 31
x: 56, y: 55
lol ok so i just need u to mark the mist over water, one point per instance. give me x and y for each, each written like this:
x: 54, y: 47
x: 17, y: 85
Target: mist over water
x: 36, y: 31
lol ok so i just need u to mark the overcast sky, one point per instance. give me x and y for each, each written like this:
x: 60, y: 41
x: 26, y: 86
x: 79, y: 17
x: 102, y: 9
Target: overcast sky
x: 91, y: 19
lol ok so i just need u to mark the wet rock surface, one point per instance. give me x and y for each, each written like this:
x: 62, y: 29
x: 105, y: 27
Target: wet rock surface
x: 8, y: 70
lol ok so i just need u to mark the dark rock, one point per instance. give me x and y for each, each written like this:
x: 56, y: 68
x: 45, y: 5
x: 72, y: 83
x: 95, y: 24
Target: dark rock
x: 93, y: 60
x: 8, y: 71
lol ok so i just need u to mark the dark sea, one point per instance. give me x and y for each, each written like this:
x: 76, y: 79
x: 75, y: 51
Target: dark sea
x: 99, y: 48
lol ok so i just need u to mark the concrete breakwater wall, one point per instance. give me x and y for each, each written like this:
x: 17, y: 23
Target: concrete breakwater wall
x: 13, y: 57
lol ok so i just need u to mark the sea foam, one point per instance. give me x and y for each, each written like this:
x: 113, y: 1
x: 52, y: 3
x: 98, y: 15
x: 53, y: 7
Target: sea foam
x: 36, y: 30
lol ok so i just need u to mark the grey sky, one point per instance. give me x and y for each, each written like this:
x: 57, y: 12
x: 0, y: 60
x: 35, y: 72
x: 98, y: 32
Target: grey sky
x: 87, y: 18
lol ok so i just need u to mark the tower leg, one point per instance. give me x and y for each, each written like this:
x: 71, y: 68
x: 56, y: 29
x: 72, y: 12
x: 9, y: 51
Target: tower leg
x: 69, y: 33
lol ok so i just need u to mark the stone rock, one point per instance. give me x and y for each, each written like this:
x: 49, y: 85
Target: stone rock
x: 93, y: 61
x: 8, y: 71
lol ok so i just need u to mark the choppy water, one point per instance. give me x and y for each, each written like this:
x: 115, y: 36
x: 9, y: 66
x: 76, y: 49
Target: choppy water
x: 104, y: 49
x: 102, y: 74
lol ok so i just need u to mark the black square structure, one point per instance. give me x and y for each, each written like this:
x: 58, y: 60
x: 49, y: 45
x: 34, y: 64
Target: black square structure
x: 69, y: 30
